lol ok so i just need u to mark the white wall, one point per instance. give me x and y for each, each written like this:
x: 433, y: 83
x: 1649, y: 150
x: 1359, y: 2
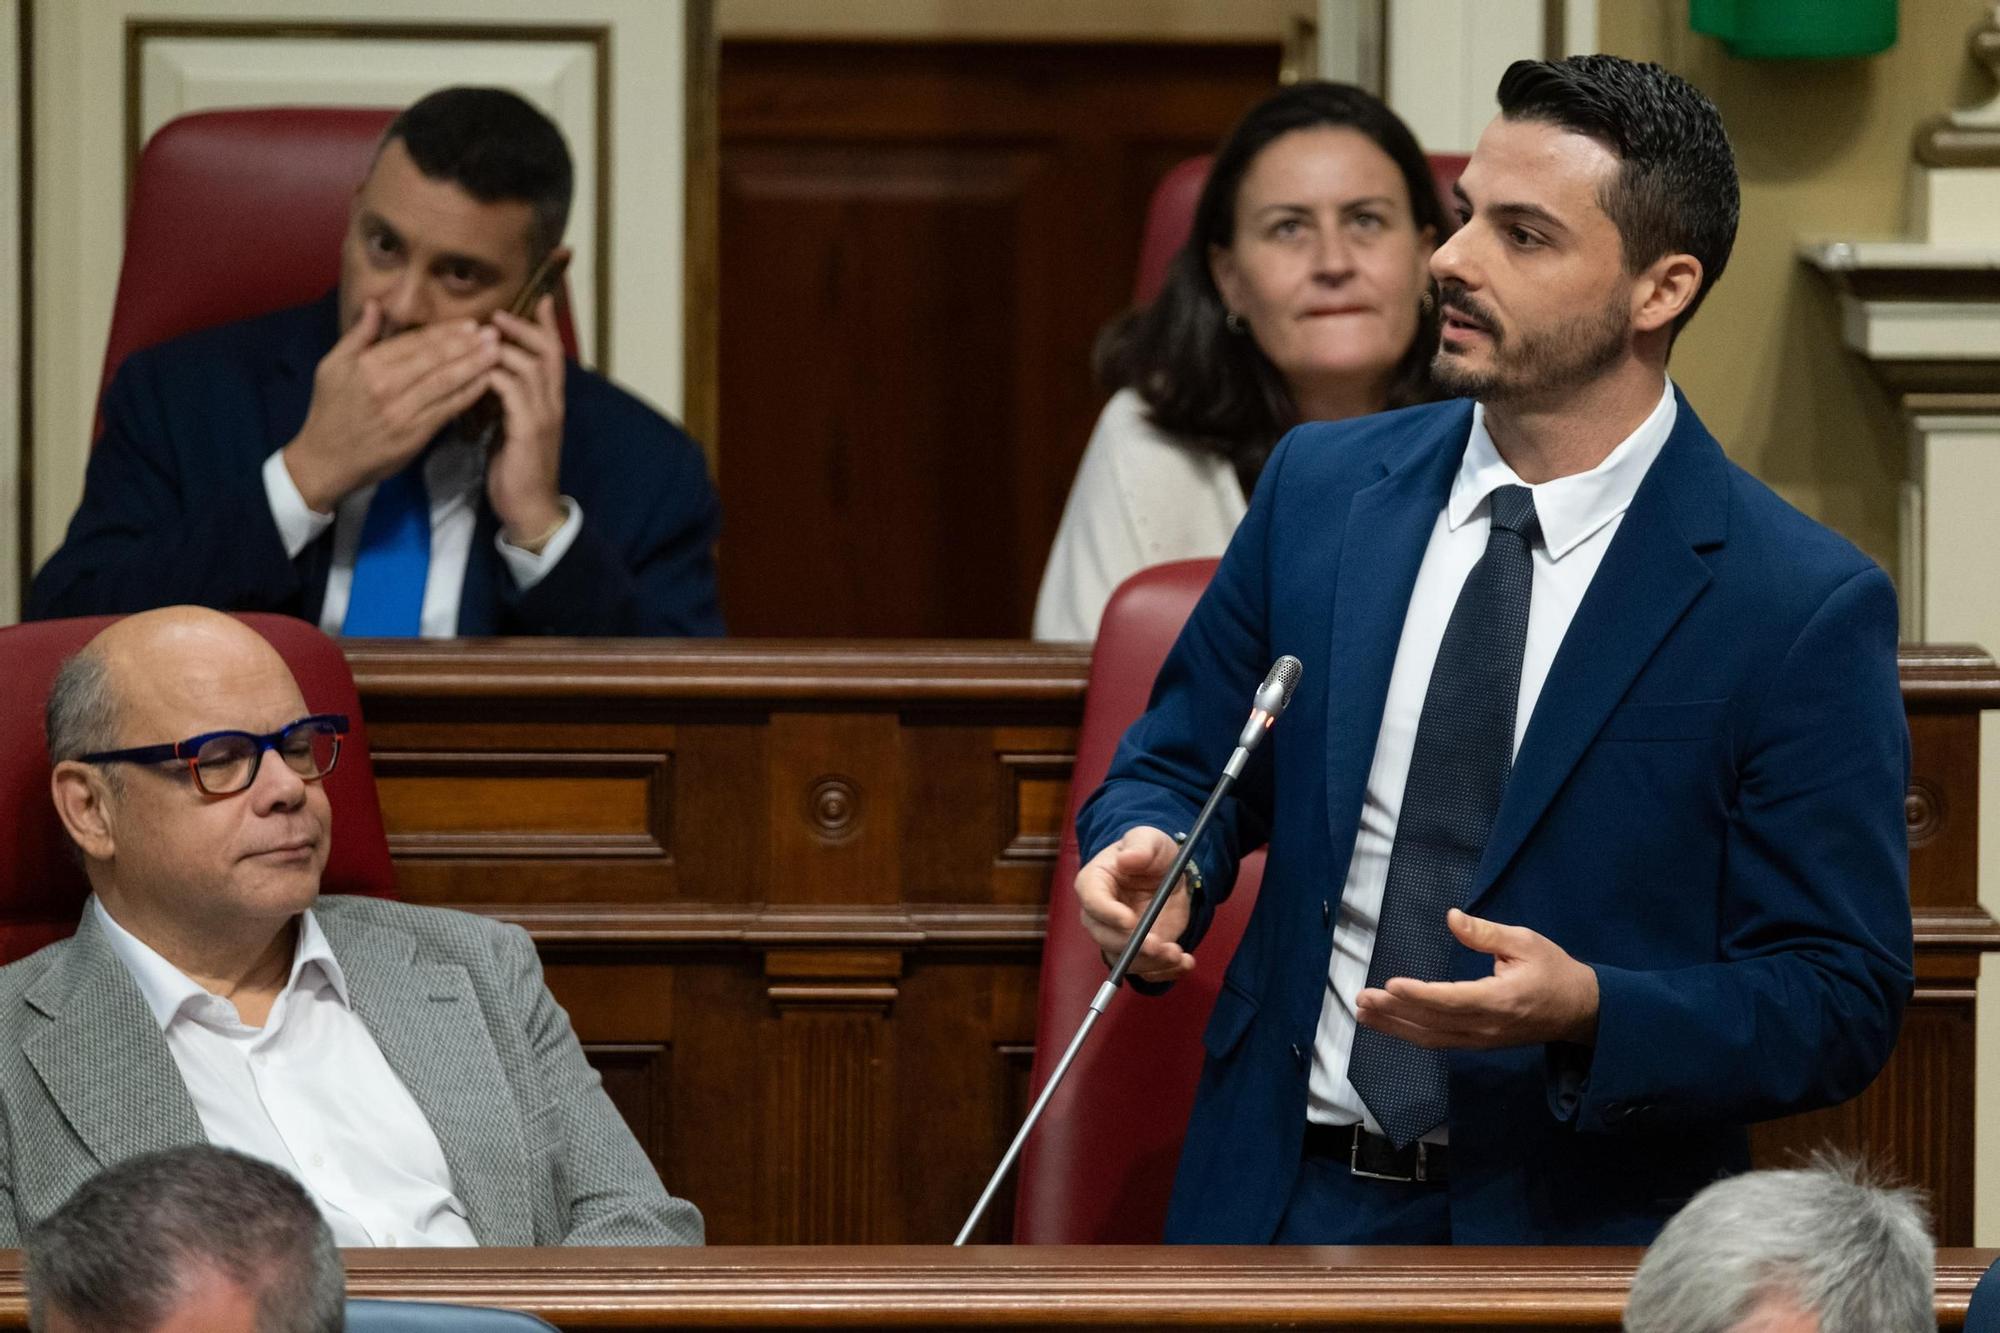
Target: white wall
x: 11, y: 330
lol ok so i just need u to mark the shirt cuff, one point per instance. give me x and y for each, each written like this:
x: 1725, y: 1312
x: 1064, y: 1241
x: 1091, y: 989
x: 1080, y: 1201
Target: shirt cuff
x: 298, y: 523
x: 529, y: 568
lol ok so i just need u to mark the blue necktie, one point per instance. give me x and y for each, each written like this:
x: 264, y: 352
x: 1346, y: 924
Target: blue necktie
x: 387, y: 596
x: 1459, y: 764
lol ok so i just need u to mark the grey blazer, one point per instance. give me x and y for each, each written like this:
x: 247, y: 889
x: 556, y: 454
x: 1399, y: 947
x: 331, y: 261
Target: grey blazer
x: 538, y: 1154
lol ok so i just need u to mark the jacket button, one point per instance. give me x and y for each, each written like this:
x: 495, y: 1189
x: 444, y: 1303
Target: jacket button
x: 1299, y: 1056
x: 1325, y: 914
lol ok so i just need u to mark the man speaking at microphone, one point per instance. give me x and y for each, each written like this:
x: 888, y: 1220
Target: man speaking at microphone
x: 1586, y: 821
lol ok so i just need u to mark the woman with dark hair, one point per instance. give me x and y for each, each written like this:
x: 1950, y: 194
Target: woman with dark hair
x: 1302, y: 294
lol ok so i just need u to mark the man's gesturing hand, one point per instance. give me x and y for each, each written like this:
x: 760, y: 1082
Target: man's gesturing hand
x: 1537, y: 993
x: 1115, y: 888
x: 375, y: 405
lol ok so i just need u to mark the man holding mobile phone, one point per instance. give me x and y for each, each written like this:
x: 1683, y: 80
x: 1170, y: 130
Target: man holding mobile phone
x: 324, y: 460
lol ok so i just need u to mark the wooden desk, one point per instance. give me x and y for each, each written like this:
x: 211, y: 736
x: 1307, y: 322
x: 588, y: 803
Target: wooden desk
x: 1115, y: 1288
x: 792, y: 894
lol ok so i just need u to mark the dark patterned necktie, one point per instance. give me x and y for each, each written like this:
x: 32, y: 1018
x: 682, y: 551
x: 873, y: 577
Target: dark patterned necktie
x: 1459, y: 764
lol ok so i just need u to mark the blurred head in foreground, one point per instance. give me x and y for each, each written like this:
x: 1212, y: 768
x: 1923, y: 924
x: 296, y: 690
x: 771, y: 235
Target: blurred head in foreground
x: 1822, y: 1249
x: 194, y: 1239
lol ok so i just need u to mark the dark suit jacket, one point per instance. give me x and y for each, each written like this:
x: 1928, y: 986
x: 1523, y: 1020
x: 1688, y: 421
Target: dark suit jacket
x: 537, y: 1152
x: 174, y: 509
x: 1707, y: 807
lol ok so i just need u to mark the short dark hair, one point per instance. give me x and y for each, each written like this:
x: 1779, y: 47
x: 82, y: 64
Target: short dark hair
x: 497, y: 147
x: 1676, y: 190
x: 116, y: 1257
x: 1217, y: 390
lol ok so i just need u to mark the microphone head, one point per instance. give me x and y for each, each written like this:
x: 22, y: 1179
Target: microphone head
x: 1276, y: 691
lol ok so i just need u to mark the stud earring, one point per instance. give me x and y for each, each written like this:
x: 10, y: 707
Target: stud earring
x: 1426, y: 303
x: 1233, y: 322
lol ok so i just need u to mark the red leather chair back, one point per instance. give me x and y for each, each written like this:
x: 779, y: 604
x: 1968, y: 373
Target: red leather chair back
x: 240, y: 213
x: 41, y: 885
x: 1099, y: 1167
x: 1170, y: 215
x: 1169, y: 219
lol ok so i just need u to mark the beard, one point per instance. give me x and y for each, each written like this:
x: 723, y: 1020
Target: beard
x: 1533, y: 363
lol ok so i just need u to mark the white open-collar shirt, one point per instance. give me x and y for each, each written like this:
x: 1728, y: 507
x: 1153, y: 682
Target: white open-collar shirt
x: 309, y: 1092
x: 1579, y: 516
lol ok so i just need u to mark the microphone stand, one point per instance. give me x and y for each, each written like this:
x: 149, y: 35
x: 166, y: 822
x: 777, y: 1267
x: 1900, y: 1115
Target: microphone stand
x: 1271, y: 700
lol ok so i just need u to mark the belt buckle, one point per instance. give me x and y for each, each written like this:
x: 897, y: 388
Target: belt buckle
x: 1419, y: 1176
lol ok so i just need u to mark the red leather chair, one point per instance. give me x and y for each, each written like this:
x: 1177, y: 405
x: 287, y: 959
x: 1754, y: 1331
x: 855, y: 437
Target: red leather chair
x: 1170, y: 215
x: 42, y: 887
x: 1169, y: 219
x: 240, y: 213
x: 1099, y: 1167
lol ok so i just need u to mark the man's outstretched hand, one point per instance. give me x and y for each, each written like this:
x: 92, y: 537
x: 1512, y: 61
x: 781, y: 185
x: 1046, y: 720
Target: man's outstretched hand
x: 1537, y: 993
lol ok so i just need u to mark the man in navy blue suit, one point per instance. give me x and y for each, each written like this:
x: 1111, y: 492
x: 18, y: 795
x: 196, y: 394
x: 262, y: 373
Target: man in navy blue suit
x: 319, y: 461
x: 1585, y: 827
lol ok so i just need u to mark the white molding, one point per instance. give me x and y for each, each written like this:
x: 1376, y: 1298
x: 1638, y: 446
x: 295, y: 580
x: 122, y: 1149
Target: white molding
x: 12, y: 310
x: 80, y: 82
x: 1579, y: 27
x: 1350, y: 42
x: 1921, y: 330
x: 1445, y: 59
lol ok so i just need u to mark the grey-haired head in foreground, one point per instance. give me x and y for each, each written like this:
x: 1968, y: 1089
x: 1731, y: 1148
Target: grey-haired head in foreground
x: 1823, y: 1247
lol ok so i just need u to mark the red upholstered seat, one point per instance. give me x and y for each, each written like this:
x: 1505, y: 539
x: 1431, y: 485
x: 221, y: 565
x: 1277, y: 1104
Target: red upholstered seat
x: 240, y: 213
x: 41, y: 885
x: 1169, y: 218
x: 1170, y: 215
x: 1099, y: 1167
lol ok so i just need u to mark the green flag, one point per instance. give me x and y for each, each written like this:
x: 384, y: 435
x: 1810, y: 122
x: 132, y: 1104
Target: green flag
x: 1797, y: 29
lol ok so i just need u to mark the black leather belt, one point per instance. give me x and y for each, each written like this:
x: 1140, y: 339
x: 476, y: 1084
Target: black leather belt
x: 1375, y: 1157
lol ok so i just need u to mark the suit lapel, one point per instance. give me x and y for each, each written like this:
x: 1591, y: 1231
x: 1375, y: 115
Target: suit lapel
x: 102, y: 1056
x: 1651, y: 574
x: 426, y: 1020
x: 1388, y: 527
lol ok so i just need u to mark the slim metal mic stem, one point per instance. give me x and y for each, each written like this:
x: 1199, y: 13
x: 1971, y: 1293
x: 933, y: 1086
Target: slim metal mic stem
x: 1099, y: 1001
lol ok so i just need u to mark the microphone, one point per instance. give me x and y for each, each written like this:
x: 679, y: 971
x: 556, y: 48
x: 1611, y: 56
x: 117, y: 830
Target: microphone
x: 1266, y: 706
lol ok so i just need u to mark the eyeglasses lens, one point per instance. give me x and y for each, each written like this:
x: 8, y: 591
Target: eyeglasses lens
x: 228, y: 764
x: 310, y: 750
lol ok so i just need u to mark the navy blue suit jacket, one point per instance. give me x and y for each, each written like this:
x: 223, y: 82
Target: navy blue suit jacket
x: 174, y: 509
x: 1707, y: 807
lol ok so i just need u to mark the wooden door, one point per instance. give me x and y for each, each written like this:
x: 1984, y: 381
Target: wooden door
x: 919, y: 243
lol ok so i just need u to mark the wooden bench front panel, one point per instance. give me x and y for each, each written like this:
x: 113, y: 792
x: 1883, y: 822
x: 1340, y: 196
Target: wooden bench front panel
x: 793, y: 893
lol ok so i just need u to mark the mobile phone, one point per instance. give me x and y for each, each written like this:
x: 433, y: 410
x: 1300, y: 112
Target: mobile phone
x: 485, y: 417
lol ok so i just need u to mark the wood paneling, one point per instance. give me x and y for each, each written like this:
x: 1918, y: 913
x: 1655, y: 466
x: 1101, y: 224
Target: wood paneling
x: 801, y: 933
x: 1123, y: 1289
x: 919, y: 244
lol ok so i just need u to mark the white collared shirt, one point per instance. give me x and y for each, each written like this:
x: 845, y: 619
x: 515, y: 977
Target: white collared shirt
x: 1579, y: 516
x: 454, y: 472
x: 309, y: 1092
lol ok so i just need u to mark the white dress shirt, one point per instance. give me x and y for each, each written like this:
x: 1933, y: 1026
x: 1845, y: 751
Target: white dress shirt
x: 309, y: 1092
x: 454, y: 472
x: 1579, y: 516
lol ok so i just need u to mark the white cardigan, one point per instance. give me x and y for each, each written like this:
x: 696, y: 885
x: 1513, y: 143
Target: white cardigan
x: 1139, y: 499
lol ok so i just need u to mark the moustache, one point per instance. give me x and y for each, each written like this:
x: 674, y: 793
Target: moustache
x: 1455, y: 300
